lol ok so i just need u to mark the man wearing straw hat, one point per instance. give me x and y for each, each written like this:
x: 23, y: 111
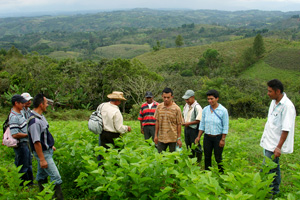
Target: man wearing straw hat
x: 112, y: 119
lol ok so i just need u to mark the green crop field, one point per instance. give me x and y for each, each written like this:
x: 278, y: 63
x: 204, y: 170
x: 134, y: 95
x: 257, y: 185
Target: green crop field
x: 122, y: 51
x: 137, y: 171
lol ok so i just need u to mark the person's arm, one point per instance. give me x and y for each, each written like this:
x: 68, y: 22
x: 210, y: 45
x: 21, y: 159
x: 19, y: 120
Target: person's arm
x: 199, y: 136
x: 142, y: 127
x: 225, y: 120
x: 277, y: 151
x: 39, y: 152
x: 156, y: 131
x: 118, y: 123
x: 19, y: 135
x: 179, y: 143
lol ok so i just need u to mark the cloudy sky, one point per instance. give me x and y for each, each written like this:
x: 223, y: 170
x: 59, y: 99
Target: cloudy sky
x: 23, y: 6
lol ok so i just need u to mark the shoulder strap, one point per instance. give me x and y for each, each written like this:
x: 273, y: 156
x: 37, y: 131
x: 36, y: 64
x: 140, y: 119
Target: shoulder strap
x: 217, y: 115
x: 195, y: 111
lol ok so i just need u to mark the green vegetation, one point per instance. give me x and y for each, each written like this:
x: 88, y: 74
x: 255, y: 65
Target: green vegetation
x: 137, y: 171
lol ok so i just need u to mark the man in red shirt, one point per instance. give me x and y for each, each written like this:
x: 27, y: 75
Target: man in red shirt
x: 146, y: 116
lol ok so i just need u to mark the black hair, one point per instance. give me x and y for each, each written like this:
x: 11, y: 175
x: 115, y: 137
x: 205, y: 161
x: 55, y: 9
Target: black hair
x: 38, y: 99
x: 276, y: 84
x: 168, y: 90
x: 214, y: 93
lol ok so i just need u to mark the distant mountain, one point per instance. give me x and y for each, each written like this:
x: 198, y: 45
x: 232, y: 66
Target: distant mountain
x: 140, y: 18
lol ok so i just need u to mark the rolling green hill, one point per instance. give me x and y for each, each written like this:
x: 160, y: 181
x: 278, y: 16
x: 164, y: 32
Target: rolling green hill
x: 231, y: 52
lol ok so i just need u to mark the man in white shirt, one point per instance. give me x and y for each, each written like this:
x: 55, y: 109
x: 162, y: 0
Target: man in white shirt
x: 112, y: 119
x: 278, y: 136
x: 192, y: 114
x: 26, y: 112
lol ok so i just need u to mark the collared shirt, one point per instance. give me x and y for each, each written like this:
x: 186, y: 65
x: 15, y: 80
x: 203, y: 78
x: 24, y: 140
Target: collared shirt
x: 191, y: 113
x: 112, y: 118
x: 26, y: 113
x: 168, y: 118
x: 17, y: 124
x: 146, y: 114
x: 212, y: 124
x: 281, y: 117
x: 38, y: 131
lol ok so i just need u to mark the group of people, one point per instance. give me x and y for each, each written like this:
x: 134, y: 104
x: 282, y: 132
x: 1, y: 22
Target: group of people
x: 31, y: 129
x: 163, y: 121
x: 160, y: 121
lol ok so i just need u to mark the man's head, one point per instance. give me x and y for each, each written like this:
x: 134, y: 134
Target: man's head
x: 167, y: 95
x: 116, y: 97
x: 275, y: 88
x: 149, y: 97
x: 18, y: 101
x: 189, y: 97
x: 40, y: 102
x: 28, y: 99
x: 212, y: 97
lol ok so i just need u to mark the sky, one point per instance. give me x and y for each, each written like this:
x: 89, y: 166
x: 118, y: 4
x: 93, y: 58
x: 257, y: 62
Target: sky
x: 19, y: 7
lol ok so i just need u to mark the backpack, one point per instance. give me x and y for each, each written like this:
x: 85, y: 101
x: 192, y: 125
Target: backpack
x: 8, y: 140
x: 95, y: 123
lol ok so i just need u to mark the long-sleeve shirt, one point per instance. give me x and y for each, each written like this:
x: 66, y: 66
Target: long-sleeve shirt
x: 112, y: 118
x: 212, y: 124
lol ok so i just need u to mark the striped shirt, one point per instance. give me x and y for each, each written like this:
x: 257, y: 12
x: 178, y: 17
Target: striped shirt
x: 212, y: 124
x: 168, y: 118
x: 147, y: 114
x: 17, y: 124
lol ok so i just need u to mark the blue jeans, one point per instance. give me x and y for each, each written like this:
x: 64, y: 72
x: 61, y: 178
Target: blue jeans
x: 51, y: 171
x: 277, y: 179
x: 23, y: 157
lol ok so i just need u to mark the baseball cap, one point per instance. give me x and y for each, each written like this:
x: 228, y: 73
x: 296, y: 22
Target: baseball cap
x: 26, y: 96
x: 148, y: 94
x: 188, y: 94
x: 18, y: 98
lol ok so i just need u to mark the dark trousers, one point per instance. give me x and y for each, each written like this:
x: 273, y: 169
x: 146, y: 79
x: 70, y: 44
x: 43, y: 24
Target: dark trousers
x: 190, y: 135
x: 23, y: 157
x: 277, y: 178
x: 108, y: 138
x: 211, y: 144
x: 149, y: 132
x: 163, y: 146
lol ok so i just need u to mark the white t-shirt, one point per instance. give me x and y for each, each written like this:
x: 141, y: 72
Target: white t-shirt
x: 281, y: 117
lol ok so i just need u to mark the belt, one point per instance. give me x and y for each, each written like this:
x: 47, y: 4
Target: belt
x: 209, y: 135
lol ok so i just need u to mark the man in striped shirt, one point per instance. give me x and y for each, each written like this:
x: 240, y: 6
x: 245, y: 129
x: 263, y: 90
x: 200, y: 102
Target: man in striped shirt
x: 146, y: 116
x: 18, y: 129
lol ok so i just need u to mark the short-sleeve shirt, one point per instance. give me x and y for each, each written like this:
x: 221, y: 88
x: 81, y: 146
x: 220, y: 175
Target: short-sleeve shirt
x: 191, y: 113
x: 26, y: 113
x: 17, y: 124
x: 281, y: 117
x: 212, y: 124
x: 168, y: 118
x: 38, y: 129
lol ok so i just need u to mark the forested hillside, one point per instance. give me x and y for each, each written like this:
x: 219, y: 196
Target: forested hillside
x: 94, y: 36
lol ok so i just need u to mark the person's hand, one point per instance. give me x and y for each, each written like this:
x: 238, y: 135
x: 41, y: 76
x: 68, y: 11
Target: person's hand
x: 179, y: 143
x: 54, y: 149
x: 129, y: 128
x: 43, y: 164
x: 185, y: 124
x: 155, y: 139
x: 142, y: 130
x: 197, y: 140
x: 222, y: 143
x: 277, y: 152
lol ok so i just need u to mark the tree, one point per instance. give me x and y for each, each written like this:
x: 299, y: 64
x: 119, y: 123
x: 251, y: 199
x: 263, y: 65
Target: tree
x: 179, y: 41
x: 258, y: 46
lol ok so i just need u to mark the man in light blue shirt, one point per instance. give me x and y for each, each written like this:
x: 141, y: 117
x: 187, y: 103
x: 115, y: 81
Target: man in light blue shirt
x: 215, y: 124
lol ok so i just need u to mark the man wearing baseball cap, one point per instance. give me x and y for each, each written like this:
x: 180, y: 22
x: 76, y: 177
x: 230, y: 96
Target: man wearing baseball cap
x: 146, y: 116
x: 18, y: 129
x: 26, y: 110
x: 192, y: 114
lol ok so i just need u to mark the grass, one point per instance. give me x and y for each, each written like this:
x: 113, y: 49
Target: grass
x: 122, y: 51
x: 231, y: 51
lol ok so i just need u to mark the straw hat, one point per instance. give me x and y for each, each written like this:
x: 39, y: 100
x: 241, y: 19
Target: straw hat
x: 116, y: 95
